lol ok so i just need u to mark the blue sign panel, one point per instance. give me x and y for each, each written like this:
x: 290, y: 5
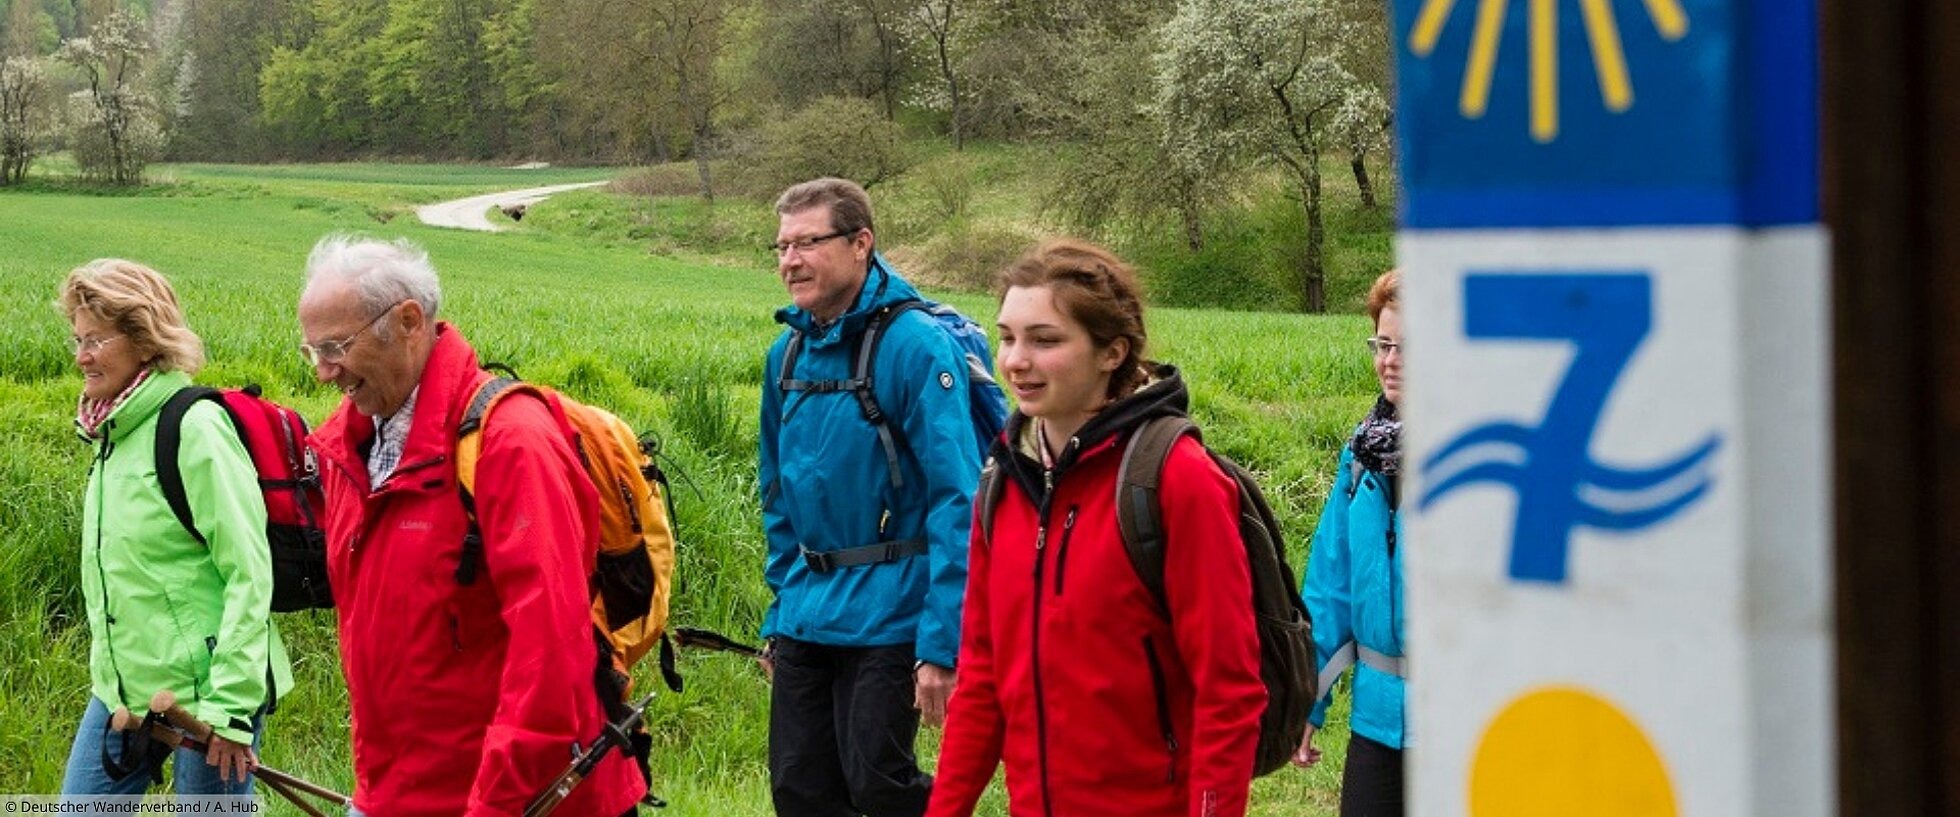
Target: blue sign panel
x: 1557, y: 113
x: 1560, y: 487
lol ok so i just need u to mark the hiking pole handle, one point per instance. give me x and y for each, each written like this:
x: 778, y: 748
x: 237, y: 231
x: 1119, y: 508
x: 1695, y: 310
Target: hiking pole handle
x: 122, y: 720
x: 165, y: 703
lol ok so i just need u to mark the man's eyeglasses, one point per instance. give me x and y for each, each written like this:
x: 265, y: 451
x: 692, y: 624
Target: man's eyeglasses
x: 1383, y: 347
x: 335, y: 351
x: 802, y: 245
x: 90, y: 345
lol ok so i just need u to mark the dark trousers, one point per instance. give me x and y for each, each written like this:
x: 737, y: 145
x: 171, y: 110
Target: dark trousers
x: 841, y: 728
x: 1371, y: 786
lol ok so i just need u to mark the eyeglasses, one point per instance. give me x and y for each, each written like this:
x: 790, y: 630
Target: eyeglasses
x: 335, y: 351
x: 90, y: 345
x: 801, y: 245
x: 1383, y: 347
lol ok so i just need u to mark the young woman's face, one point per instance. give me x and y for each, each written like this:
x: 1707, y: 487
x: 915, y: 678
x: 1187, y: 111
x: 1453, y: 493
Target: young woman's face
x: 107, y: 358
x: 1052, y: 366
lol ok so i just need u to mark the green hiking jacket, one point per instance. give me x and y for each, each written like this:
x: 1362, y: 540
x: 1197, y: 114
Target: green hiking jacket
x: 164, y: 610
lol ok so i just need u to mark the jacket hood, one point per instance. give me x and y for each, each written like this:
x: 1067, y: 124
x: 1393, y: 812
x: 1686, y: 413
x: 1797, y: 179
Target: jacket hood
x: 882, y: 287
x: 143, y: 403
x: 1163, y: 395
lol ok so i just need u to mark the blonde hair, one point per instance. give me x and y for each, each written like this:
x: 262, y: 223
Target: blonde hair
x: 140, y: 304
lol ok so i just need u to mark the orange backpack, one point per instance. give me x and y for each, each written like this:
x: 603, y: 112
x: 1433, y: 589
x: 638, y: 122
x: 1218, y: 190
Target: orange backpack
x: 633, y: 584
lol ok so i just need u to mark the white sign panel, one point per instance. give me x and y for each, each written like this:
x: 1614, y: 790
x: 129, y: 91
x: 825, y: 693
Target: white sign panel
x: 1617, y: 449
x: 1616, y: 431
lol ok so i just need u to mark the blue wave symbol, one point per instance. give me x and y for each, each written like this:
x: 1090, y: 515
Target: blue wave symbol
x: 1557, y: 493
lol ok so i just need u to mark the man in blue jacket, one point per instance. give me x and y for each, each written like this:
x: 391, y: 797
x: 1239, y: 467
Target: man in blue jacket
x: 867, y: 522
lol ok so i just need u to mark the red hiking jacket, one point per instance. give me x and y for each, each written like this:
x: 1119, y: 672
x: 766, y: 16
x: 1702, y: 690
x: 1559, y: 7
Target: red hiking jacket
x: 1069, y: 670
x: 466, y: 699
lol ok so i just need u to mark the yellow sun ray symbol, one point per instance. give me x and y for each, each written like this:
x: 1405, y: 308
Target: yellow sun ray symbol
x: 1602, y: 35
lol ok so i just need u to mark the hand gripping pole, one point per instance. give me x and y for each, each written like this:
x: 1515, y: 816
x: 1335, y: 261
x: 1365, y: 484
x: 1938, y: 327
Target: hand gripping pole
x: 180, y: 729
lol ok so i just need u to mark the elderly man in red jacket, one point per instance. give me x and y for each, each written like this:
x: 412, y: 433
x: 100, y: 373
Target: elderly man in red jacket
x: 467, y: 699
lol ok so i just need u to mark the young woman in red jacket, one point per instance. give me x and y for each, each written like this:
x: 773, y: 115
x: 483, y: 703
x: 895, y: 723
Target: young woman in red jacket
x: 1099, y: 700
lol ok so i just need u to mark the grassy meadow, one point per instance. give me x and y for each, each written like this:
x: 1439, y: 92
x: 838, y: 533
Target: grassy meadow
x: 670, y: 339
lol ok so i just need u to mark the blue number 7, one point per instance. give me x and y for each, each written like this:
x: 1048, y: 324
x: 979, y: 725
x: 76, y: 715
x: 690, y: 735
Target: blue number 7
x: 1559, y: 486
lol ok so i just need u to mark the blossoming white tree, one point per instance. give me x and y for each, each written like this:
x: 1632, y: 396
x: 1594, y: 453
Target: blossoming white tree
x: 113, y: 126
x: 23, y: 115
x: 1249, y: 81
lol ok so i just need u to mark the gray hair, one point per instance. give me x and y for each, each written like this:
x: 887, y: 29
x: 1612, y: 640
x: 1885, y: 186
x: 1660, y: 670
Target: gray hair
x: 849, y: 205
x: 383, y: 272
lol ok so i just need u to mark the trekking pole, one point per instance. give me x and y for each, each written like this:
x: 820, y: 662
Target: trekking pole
x: 186, y: 731
x: 613, y: 736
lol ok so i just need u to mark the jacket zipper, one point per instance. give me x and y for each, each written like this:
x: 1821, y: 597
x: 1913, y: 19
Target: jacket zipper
x: 1061, y: 551
x: 1394, y: 633
x: 101, y: 575
x: 1040, y: 701
x: 1163, y: 707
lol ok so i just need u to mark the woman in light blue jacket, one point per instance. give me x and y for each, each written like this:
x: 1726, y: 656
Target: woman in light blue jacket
x: 1354, y: 583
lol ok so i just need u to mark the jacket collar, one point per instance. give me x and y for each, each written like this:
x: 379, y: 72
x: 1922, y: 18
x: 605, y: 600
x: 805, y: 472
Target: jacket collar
x: 882, y: 287
x: 448, y: 379
x: 1163, y: 395
x: 141, y: 405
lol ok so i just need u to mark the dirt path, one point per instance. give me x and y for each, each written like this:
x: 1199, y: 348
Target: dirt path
x: 473, y: 213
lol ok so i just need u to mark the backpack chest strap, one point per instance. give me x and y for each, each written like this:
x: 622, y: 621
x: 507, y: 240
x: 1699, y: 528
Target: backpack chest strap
x: 824, y: 561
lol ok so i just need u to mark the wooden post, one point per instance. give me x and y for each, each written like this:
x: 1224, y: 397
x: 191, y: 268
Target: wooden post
x: 1892, y: 200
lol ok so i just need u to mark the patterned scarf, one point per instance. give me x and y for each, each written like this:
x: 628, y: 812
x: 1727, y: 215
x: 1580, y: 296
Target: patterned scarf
x: 89, y: 414
x: 1378, y: 440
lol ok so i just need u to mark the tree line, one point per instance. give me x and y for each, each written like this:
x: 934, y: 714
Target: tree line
x: 1162, y: 105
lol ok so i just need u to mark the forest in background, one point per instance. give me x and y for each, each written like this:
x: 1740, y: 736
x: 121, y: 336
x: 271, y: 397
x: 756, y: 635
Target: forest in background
x: 1158, y: 117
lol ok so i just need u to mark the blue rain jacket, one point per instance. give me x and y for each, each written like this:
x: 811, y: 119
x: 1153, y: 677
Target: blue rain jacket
x: 826, y: 485
x: 1353, y: 590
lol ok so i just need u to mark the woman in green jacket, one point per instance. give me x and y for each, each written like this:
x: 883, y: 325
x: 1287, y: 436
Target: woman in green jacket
x: 165, y: 611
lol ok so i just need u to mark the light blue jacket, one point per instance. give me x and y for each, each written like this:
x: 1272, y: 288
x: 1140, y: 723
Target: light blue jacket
x: 826, y: 485
x: 1353, y: 590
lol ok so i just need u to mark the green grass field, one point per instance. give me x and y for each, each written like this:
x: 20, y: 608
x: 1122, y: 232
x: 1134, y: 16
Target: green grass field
x: 673, y: 343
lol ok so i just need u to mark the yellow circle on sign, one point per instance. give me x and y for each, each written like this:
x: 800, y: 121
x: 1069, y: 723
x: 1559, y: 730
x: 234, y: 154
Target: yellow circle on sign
x: 1563, y: 751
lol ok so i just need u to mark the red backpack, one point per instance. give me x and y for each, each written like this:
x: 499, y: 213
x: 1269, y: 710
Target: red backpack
x: 274, y: 437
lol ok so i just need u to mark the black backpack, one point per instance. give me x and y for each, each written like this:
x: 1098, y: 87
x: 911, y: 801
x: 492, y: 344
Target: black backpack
x: 1286, y: 649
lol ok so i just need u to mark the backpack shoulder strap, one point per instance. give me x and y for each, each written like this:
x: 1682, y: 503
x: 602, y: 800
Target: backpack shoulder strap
x: 469, y: 446
x: 1139, y: 514
x: 170, y: 442
x: 469, y: 439
x: 784, y: 380
x: 989, y: 496
x: 863, y: 382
